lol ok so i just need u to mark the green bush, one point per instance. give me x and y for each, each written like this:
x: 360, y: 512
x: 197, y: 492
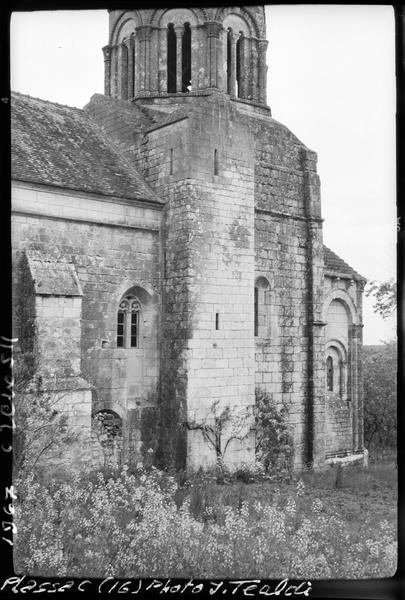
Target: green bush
x: 131, y: 526
x: 274, y: 439
x: 380, y: 396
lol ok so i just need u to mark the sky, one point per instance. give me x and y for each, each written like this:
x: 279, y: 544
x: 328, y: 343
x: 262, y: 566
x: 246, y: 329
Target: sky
x: 331, y: 80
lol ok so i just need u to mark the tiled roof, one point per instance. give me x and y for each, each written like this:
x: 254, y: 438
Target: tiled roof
x: 60, y: 145
x: 52, y: 277
x: 333, y: 262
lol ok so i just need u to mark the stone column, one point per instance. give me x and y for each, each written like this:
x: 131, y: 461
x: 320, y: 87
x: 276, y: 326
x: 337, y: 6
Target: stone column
x: 213, y: 58
x: 254, y: 69
x: 356, y: 334
x: 154, y: 60
x: 232, y: 87
x: 314, y: 406
x: 262, y: 84
x: 147, y: 57
x: 143, y: 34
x: 113, y: 71
x: 107, y: 70
x: 179, y: 29
x: 162, y: 59
x: 243, y: 71
x: 247, y: 68
x: 195, y: 55
x: 124, y: 70
x: 360, y: 390
x: 130, y: 46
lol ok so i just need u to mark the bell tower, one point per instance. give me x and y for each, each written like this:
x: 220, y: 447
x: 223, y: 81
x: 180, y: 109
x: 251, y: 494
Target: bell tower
x: 203, y: 66
x: 187, y: 51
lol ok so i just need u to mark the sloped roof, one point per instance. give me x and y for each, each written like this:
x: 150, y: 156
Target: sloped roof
x: 60, y: 145
x: 333, y: 262
x: 52, y: 277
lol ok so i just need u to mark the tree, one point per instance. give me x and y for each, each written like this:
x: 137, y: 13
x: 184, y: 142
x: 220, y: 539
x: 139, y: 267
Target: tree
x: 385, y: 294
x: 40, y: 428
x: 220, y: 428
x: 380, y: 395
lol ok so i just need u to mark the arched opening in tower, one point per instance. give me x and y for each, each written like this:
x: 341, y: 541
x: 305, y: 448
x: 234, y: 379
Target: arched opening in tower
x: 186, y: 59
x: 171, y: 59
x: 228, y: 61
x: 238, y: 67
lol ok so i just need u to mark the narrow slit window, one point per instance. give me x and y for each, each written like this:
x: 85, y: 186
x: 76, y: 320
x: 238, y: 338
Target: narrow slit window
x: 216, y: 164
x: 171, y: 161
x: 186, y: 59
x: 216, y: 321
x: 171, y: 59
x: 256, y: 312
x: 329, y: 374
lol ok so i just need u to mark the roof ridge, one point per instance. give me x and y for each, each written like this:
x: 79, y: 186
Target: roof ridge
x: 13, y: 93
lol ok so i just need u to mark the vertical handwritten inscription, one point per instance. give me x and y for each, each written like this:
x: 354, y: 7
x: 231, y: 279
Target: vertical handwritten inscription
x: 7, y: 425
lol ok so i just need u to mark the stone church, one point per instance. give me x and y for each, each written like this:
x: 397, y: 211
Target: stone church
x: 167, y: 248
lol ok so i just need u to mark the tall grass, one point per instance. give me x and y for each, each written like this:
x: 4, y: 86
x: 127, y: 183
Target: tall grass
x: 147, y: 525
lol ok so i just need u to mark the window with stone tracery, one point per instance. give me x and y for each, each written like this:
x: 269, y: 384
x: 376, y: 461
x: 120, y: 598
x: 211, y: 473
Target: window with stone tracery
x: 128, y: 319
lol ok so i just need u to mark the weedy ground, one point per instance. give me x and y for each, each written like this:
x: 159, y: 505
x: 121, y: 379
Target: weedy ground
x: 147, y: 523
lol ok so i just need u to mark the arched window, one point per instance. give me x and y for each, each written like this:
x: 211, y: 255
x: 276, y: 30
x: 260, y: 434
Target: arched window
x: 238, y: 67
x: 186, y: 59
x: 329, y: 374
x: 171, y: 59
x: 261, y: 308
x: 128, y: 322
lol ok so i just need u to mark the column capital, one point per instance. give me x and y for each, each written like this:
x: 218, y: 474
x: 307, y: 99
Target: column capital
x: 234, y: 36
x: 107, y: 52
x: 262, y: 44
x: 144, y: 32
x: 213, y: 28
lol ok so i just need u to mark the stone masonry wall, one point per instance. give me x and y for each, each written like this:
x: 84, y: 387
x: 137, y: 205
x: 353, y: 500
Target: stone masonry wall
x: 288, y: 242
x: 113, y: 246
x: 208, y: 347
x: 342, y: 312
